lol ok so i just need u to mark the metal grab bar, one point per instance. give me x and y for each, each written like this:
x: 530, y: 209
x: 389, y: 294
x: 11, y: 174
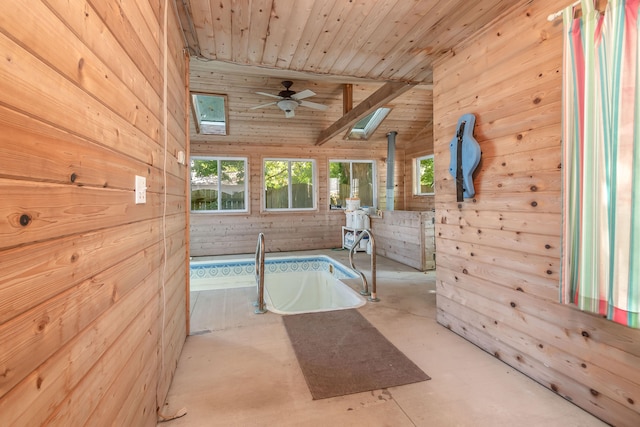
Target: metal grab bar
x: 260, y: 306
x: 373, y: 297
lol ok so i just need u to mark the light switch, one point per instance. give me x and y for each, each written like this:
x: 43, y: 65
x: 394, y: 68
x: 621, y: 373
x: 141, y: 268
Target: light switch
x: 141, y: 189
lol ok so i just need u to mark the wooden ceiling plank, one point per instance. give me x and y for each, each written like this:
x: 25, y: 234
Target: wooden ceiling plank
x: 461, y: 24
x: 261, y: 12
x: 202, y: 25
x: 310, y: 33
x: 324, y: 43
x: 294, y: 27
x: 416, y: 35
x: 380, y: 97
x: 385, y: 40
x: 240, y: 24
x: 401, y: 21
x: 221, y: 13
x: 228, y: 68
x: 425, y: 76
x: 355, y: 34
x: 414, y: 65
x: 279, y: 21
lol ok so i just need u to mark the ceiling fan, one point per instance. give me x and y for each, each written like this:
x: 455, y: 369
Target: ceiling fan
x: 289, y: 100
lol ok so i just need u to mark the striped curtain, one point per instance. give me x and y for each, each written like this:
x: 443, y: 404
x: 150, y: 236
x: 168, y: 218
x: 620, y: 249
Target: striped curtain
x: 601, y: 161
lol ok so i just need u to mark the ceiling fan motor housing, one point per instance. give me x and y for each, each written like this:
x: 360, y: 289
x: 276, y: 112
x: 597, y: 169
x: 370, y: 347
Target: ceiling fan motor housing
x: 287, y: 93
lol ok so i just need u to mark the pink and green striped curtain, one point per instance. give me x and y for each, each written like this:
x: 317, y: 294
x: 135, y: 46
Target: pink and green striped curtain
x: 601, y: 161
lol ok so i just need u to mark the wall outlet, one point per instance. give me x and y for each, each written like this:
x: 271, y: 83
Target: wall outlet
x: 181, y: 158
x: 141, y: 189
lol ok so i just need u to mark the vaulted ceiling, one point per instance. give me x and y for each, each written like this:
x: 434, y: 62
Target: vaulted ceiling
x: 241, y: 47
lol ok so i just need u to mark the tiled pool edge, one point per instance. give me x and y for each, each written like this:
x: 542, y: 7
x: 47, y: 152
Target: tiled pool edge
x: 246, y: 267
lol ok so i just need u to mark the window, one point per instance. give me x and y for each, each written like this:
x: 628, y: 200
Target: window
x: 365, y: 127
x: 219, y: 184
x: 210, y: 113
x: 351, y: 178
x: 289, y: 184
x: 424, y: 183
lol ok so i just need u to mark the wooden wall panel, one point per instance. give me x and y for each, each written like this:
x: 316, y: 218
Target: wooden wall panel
x: 406, y: 237
x: 84, y: 287
x: 421, y: 145
x: 499, y: 253
x: 407, y: 150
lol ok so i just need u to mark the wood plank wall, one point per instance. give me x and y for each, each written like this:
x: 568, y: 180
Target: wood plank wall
x: 214, y: 234
x: 406, y: 237
x: 499, y: 254
x: 86, y: 275
x: 421, y: 145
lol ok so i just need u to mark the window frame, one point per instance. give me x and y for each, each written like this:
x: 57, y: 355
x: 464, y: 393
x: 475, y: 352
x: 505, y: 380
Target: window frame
x: 196, y: 119
x: 374, y: 178
x: 219, y: 211
x: 377, y: 117
x: 314, y: 184
x: 417, y: 175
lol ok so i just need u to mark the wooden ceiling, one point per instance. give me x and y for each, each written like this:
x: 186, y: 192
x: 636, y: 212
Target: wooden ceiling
x: 239, y: 47
x: 411, y: 111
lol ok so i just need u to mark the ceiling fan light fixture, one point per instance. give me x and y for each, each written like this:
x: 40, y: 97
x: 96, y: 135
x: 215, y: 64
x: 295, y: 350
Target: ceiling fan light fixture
x: 289, y: 100
x: 287, y: 105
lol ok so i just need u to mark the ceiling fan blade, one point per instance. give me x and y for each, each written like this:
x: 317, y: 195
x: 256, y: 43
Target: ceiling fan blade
x: 304, y: 94
x: 289, y: 114
x: 263, y: 105
x: 269, y: 94
x: 313, y: 105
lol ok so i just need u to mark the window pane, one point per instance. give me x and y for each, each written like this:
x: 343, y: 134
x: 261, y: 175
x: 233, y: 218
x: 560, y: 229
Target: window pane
x: 276, y: 180
x: 339, y: 183
x: 211, y: 108
x: 342, y: 176
x: 363, y: 172
x: 426, y: 175
x: 363, y: 122
x: 366, y: 126
x: 218, y: 184
x: 301, y: 185
x: 210, y: 114
x: 204, y: 185
x: 232, y: 185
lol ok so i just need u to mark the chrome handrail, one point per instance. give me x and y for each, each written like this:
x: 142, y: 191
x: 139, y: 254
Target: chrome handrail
x: 373, y: 297
x: 260, y: 306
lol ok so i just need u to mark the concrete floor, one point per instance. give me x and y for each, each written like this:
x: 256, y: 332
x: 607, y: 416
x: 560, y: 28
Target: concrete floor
x: 239, y: 369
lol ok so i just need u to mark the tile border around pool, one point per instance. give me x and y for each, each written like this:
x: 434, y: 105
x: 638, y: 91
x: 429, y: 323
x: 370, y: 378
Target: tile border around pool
x: 246, y: 266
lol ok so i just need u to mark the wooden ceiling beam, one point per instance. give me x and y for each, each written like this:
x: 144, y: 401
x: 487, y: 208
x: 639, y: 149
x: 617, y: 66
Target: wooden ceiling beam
x: 347, y: 98
x: 376, y: 100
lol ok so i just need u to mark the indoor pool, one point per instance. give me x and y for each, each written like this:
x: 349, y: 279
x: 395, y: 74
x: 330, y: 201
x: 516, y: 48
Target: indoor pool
x: 295, y: 284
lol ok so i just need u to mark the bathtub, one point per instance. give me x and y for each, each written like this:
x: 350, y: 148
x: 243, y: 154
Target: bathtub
x: 293, y: 285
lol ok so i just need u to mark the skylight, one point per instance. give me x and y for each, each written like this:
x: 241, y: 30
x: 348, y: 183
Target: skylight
x: 210, y: 113
x: 365, y: 127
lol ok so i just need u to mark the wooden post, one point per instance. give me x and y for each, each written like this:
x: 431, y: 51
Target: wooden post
x: 347, y: 98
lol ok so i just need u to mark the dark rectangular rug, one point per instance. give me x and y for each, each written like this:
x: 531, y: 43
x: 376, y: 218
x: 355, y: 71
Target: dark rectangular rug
x: 340, y: 353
